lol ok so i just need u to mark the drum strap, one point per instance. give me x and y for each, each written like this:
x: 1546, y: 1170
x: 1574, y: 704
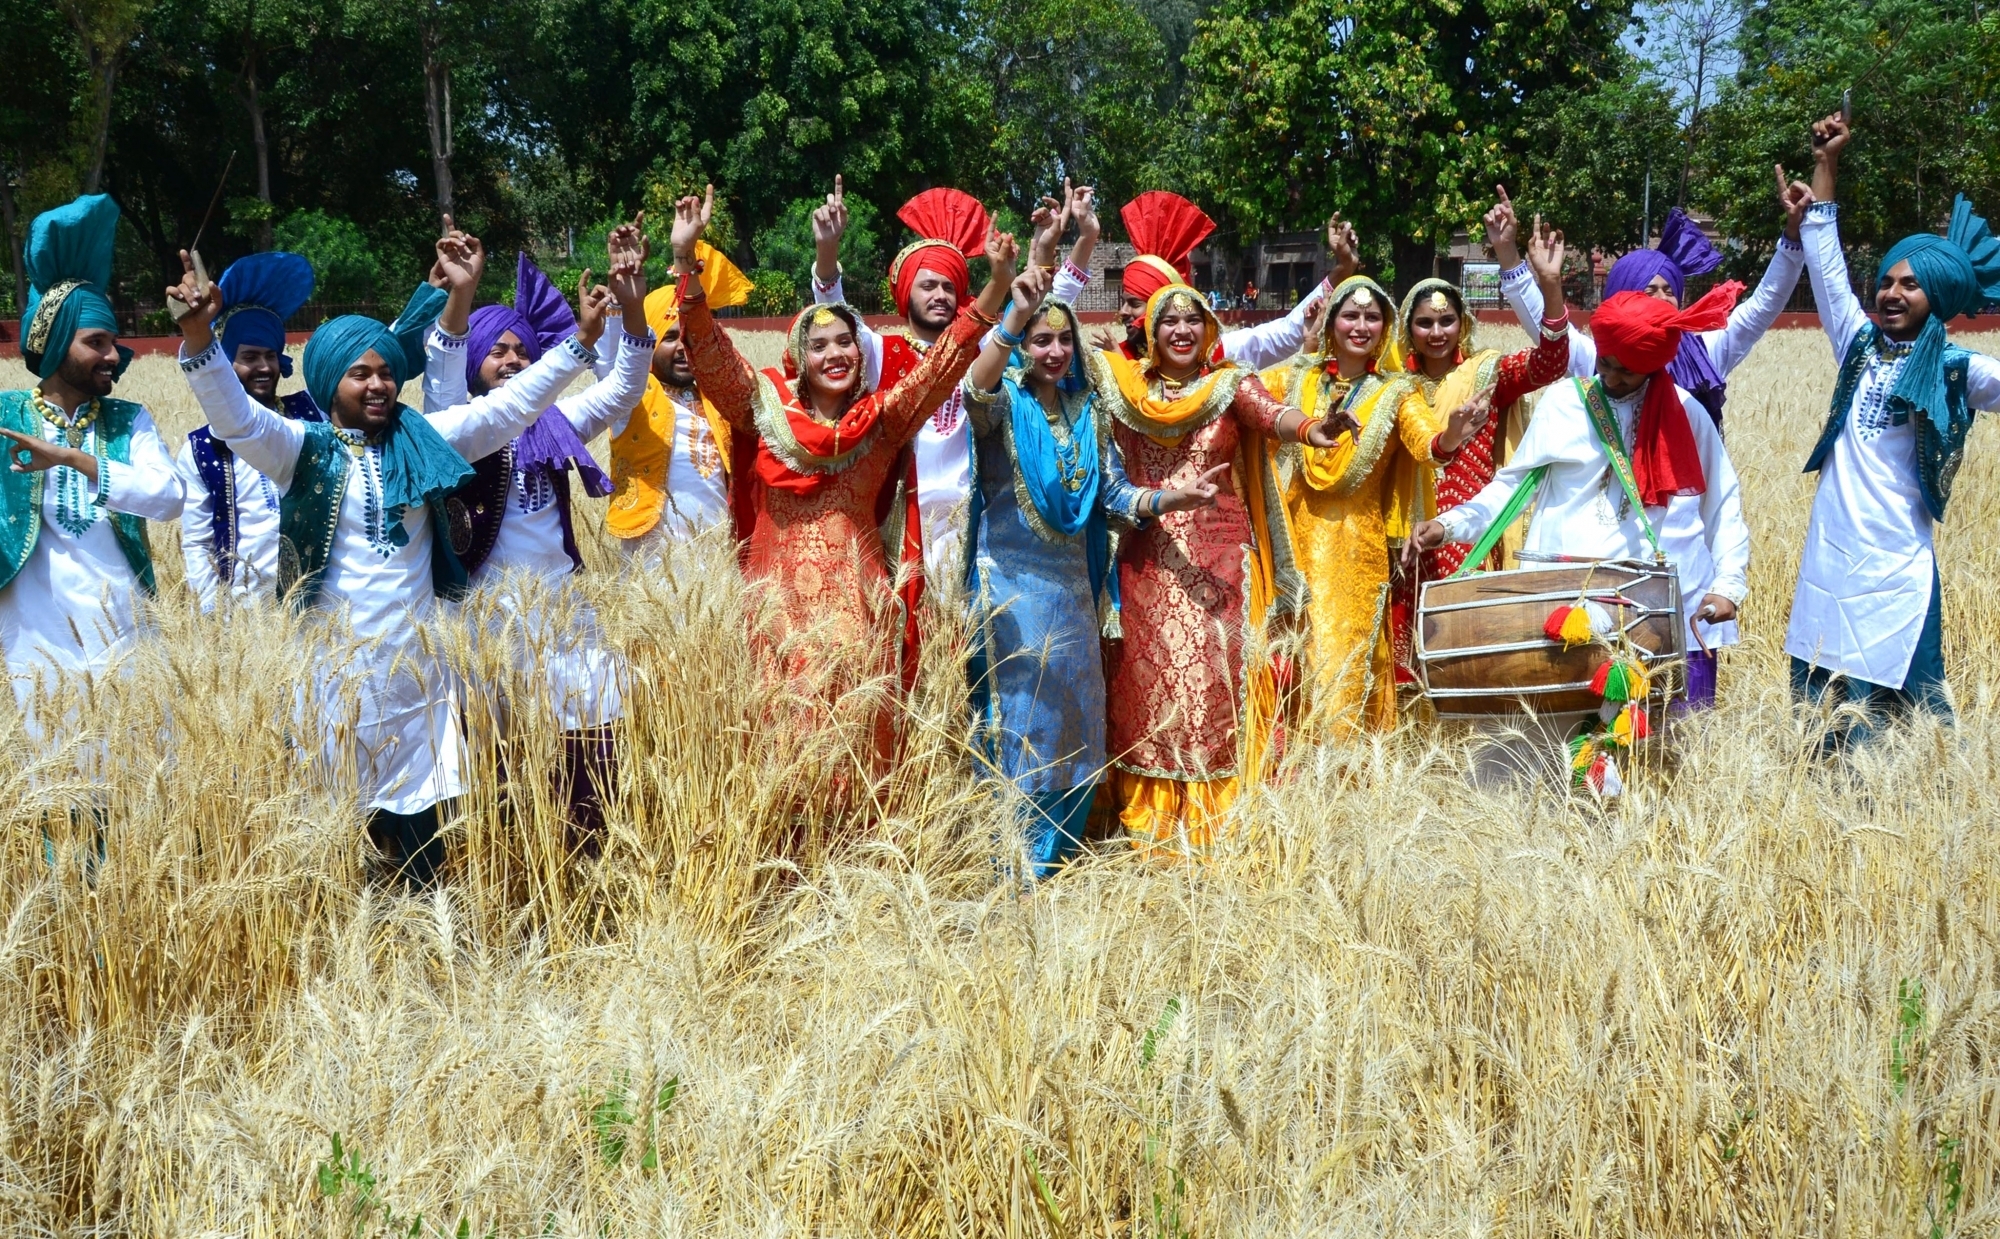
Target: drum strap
x: 1605, y: 423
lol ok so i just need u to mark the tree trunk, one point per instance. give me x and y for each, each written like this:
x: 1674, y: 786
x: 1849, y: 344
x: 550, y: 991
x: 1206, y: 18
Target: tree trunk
x: 13, y: 242
x: 1414, y: 258
x: 255, y: 103
x: 437, y: 108
x: 104, y: 76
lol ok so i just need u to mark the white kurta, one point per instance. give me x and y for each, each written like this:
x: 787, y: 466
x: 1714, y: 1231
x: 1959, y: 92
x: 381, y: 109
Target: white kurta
x: 1577, y: 513
x: 583, y: 677
x: 1681, y: 532
x: 256, y: 567
x: 71, y: 607
x: 391, y: 709
x: 1865, y: 576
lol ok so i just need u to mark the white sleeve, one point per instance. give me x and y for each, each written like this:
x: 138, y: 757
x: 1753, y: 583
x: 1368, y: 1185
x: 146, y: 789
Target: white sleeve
x: 1069, y: 283
x: 871, y: 343
x: 1722, y: 523
x: 1839, y: 310
x: 268, y: 442
x: 1982, y: 383
x: 1548, y: 440
x: 612, y: 398
x: 147, y: 485
x: 1524, y: 297
x: 1753, y: 317
x: 1267, y: 344
x: 607, y: 348
x: 444, y: 371
x: 197, y: 530
x: 483, y: 425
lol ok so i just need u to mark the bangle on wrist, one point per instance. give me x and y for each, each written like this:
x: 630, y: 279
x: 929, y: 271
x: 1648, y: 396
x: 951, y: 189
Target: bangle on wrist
x: 1008, y: 338
x: 1305, y: 427
x: 1153, y: 503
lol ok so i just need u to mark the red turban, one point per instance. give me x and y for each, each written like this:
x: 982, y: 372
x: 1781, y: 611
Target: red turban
x: 951, y: 227
x: 1642, y: 334
x: 1164, y: 229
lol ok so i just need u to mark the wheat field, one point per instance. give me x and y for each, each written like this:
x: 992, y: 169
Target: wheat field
x: 1755, y: 996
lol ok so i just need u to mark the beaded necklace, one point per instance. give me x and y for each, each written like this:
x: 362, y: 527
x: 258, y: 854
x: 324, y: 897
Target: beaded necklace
x: 75, y: 512
x: 1878, y: 384
x: 1069, y: 450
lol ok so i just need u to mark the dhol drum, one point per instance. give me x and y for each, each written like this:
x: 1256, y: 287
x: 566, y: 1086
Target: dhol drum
x: 1481, y: 650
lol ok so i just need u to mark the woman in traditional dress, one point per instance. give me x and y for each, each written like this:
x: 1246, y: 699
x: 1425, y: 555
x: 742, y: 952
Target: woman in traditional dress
x: 1435, y: 332
x: 1350, y: 502
x: 1187, y: 717
x: 821, y: 465
x: 1039, y: 575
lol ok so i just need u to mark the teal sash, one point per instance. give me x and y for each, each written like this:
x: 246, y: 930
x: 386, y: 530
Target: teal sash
x: 21, y: 493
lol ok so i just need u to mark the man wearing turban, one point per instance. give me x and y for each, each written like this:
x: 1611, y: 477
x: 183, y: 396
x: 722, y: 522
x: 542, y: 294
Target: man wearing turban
x: 1700, y: 367
x: 1866, y: 624
x: 514, y: 514
x: 85, y: 471
x: 670, y: 460
x: 363, y: 536
x: 229, y: 531
x: 1604, y: 457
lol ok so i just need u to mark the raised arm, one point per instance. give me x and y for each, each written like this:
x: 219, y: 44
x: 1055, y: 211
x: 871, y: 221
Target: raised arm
x: 1755, y: 314
x: 1029, y: 288
x: 617, y: 392
x: 1840, y: 311
x: 444, y: 370
x: 461, y: 261
x: 267, y: 441
x: 485, y: 424
x: 829, y: 225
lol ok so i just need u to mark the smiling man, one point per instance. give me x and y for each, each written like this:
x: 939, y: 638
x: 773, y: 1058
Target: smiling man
x: 85, y: 471
x: 361, y: 499
x: 229, y: 531
x: 1866, y: 624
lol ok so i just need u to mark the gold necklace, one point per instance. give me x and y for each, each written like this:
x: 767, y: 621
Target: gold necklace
x: 73, y: 425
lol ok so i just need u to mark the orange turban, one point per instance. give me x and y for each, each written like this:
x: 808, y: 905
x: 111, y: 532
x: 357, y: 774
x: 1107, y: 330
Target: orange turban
x: 1642, y: 334
x: 951, y: 228
x: 1164, y: 229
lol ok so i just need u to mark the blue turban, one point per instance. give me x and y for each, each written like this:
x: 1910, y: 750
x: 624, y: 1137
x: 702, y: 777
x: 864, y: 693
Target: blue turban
x: 68, y: 257
x: 1683, y: 251
x: 258, y: 294
x: 1958, y: 272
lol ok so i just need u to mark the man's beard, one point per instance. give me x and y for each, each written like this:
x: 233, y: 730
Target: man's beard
x: 1135, y: 338
x: 921, y: 318
x: 84, y: 378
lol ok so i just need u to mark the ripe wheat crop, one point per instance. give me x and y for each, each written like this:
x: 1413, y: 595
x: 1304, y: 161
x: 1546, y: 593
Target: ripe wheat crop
x: 1755, y: 996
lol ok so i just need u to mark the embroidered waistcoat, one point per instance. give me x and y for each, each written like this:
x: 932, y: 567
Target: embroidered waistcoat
x: 21, y: 493
x: 1939, y: 452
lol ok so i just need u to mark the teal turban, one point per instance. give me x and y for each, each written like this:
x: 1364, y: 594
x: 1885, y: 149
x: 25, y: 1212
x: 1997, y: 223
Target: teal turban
x: 68, y: 257
x: 418, y: 465
x: 1959, y: 272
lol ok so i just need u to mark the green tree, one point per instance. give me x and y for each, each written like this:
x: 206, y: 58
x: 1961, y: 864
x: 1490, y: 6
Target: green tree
x: 342, y: 259
x: 1588, y: 154
x: 105, y: 30
x: 787, y: 245
x: 1400, y: 113
x: 1923, y: 75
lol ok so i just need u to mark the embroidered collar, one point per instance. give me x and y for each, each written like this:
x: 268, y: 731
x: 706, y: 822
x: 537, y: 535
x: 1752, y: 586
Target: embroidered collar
x: 1892, y: 350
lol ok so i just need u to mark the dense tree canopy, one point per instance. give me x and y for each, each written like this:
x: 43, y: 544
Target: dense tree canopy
x: 347, y: 125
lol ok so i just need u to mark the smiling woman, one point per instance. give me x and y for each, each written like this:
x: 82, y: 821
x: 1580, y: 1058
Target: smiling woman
x: 824, y: 483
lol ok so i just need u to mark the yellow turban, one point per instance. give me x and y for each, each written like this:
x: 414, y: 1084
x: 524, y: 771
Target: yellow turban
x: 723, y: 282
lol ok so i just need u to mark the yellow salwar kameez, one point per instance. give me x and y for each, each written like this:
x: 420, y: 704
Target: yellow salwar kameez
x: 1347, y: 506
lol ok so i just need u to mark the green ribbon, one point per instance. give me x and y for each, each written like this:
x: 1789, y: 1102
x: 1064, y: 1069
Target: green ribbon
x: 1516, y: 502
x: 1605, y: 423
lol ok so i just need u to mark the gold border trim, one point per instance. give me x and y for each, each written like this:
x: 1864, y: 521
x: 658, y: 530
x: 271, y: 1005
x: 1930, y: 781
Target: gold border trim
x: 775, y: 427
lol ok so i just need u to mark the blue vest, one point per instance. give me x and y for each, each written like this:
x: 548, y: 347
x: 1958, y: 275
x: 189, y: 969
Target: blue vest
x: 215, y: 464
x: 1939, y: 452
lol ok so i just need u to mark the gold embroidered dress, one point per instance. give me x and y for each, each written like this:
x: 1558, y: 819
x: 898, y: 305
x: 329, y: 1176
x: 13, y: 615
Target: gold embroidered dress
x: 1187, y: 718
x: 1347, y: 505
